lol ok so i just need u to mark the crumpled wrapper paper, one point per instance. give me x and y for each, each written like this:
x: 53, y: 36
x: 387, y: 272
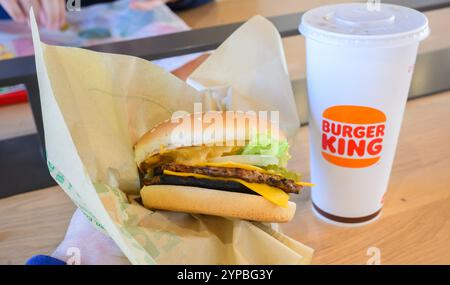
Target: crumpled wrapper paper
x: 95, y: 106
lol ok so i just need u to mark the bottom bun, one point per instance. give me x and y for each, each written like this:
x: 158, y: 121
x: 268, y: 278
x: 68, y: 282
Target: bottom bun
x: 215, y: 202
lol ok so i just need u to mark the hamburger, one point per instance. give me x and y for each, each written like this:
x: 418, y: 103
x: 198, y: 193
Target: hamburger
x: 207, y: 163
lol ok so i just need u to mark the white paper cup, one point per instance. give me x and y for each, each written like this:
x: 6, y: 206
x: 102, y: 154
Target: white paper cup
x: 359, y: 68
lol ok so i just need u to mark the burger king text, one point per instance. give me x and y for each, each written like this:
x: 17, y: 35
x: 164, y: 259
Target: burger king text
x: 352, y: 136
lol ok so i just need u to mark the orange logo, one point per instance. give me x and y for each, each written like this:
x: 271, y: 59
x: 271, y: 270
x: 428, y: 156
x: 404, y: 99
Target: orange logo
x: 352, y: 136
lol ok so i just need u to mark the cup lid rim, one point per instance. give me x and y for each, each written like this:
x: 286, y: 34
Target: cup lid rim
x: 417, y: 31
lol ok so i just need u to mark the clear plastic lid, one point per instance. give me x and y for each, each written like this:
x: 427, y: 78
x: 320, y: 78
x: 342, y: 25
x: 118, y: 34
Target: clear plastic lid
x: 365, y: 24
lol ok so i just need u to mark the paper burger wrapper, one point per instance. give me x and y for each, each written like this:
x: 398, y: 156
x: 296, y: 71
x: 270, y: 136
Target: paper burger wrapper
x: 95, y: 106
x: 249, y: 72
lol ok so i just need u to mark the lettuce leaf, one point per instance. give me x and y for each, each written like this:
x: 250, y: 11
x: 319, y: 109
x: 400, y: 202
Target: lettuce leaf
x: 282, y: 171
x: 265, y: 144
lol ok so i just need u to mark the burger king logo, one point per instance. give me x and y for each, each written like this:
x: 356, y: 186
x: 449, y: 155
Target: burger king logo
x: 352, y: 136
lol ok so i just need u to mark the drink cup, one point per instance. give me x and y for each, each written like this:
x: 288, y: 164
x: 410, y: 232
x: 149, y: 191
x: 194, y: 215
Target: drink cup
x: 360, y: 61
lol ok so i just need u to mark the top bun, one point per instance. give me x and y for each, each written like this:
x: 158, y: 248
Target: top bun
x: 212, y: 128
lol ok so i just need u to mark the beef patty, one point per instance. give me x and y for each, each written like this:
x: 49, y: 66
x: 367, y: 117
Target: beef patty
x: 252, y: 176
x: 231, y: 186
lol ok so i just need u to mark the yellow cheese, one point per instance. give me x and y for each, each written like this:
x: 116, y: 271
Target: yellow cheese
x: 274, y: 195
x: 231, y: 164
x: 305, y: 184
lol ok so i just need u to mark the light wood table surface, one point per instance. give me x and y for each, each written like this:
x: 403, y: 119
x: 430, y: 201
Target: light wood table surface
x: 415, y: 224
x: 413, y: 229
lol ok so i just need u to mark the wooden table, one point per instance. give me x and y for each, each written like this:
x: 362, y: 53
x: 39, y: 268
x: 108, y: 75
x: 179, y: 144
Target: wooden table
x: 414, y: 227
x: 415, y: 224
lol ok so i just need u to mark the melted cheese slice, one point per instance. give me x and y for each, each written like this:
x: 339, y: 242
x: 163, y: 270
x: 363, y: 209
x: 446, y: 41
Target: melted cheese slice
x: 274, y: 195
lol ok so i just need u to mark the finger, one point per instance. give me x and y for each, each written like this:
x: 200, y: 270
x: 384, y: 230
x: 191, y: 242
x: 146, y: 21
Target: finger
x: 27, y: 4
x: 145, y: 5
x: 42, y: 16
x: 54, y: 13
x: 37, y: 8
x: 24, y: 5
x: 44, y: 13
x: 57, y: 11
x: 50, y: 8
x: 62, y: 14
x: 14, y: 10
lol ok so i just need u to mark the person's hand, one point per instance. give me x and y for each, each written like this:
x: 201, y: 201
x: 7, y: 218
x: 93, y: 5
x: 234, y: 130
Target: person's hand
x: 49, y: 13
x: 146, y: 5
x: 84, y: 242
x: 52, y: 13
